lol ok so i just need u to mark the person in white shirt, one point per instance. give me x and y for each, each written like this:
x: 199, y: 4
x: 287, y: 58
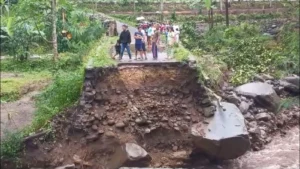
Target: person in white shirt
x: 144, y: 40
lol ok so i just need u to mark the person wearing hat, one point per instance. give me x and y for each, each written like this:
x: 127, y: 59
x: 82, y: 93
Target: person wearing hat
x: 125, y: 40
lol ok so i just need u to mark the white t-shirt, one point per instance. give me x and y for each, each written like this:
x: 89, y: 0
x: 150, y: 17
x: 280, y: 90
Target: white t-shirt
x: 144, y: 35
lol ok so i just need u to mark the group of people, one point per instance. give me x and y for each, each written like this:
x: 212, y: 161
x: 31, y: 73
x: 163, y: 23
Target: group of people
x: 147, y: 36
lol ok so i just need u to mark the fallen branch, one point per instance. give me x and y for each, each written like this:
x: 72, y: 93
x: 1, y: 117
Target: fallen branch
x: 37, y: 135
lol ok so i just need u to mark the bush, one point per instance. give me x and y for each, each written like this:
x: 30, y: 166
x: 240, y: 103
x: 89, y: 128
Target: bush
x: 10, y: 146
x: 63, y: 92
x: 242, y: 17
x: 181, y: 54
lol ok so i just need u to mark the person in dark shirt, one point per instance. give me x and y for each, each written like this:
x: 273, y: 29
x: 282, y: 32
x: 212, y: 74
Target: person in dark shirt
x: 117, y: 49
x: 138, y: 36
x: 125, y: 40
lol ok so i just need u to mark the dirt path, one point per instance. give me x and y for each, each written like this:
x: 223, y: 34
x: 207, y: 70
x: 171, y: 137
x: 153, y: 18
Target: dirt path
x: 17, y: 115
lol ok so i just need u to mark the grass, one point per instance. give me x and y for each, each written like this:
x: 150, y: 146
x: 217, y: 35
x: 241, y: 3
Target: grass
x: 211, y: 68
x: 180, y: 53
x: 289, y: 102
x: 128, y: 19
x: 99, y: 55
x: 62, y: 93
x: 12, y: 88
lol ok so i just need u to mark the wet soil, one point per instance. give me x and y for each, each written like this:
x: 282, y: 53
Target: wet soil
x: 153, y: 106
x: 18, y: 114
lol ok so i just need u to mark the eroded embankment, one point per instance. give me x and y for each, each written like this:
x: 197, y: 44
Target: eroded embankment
x: 156, y: 107
x: 152, y: 105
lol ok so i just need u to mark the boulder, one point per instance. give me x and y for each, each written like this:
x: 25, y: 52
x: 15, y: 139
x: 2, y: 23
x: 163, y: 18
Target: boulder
x: 295, y: 80
x: 262, y: 93
x: 290, y: 87
x: 129, y: 155
x: 225, y: 136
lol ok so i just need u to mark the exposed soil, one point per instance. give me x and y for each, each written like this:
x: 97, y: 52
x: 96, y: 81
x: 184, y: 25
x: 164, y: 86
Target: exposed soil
x: 18, y: 114
x: 153, y: 106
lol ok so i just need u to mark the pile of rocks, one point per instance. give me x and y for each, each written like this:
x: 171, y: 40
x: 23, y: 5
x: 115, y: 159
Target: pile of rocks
x: 259, y: 101
x: 113, y: 110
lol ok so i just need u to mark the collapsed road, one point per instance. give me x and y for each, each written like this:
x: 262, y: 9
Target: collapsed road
x: 159, y: 115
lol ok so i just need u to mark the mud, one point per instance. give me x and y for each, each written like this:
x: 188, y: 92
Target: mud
x: 154, y: 106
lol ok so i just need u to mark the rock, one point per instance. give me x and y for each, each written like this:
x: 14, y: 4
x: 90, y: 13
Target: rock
x: 209, y: 111
x: 187, y: 118
x: 94, y: 127
x: 253, y: 128
x: 205, y: 102
x: 77, y: 159
x: 141, y: 121
x: 263, y: 116
x: 295, y: 80
x: 111, y: 122
x: 164, y: 119
x: 244, y: 106
x: 225, y: 137
x: 69, y: 166
x: 110, y: 134
x: 129, y: 155
x: 175, y: 148
x: 290, y: 87
x: 259, y: 78
x: 262, y: 93
x: 92, y: 137
x: 267, y: 77
x: 147, y: 130
x: 279, y: 89
x: 100, y: 131
x: 120, y: 125
x: 179, y: 155
x: 233, y: 98
x: 248, y: 116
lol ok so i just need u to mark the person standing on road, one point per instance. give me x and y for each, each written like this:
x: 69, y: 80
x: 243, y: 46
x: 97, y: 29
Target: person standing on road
x: 155, y: 39
x: 150, y: 33
x: 170, y: 42
x: 138, y: 36
x: 125, y: 40
x: 144, y: 41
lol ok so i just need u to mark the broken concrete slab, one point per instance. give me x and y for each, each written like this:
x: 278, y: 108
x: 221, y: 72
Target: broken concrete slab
x: 129, y: 155
x: 225, y: 136
x: 262, y: 93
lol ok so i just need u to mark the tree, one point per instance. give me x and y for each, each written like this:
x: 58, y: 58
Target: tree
x: 54, y: 34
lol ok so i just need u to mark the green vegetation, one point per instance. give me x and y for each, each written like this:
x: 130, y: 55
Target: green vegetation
x: 288, y: 103
x: 86, y: 47
x: 245, y: 50
x: 201, y: 18
x: 129, y: 19
x: 10, y: 147
x: 13, y: 87
x: 180, y: 53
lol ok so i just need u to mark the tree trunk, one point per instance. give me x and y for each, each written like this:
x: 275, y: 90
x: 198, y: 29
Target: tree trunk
x: 134, y: 7
x: 162, y: 9
x: 212, y: 17
x: 54, y: 34
x: 221, y: 5
x: 226, y: 13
